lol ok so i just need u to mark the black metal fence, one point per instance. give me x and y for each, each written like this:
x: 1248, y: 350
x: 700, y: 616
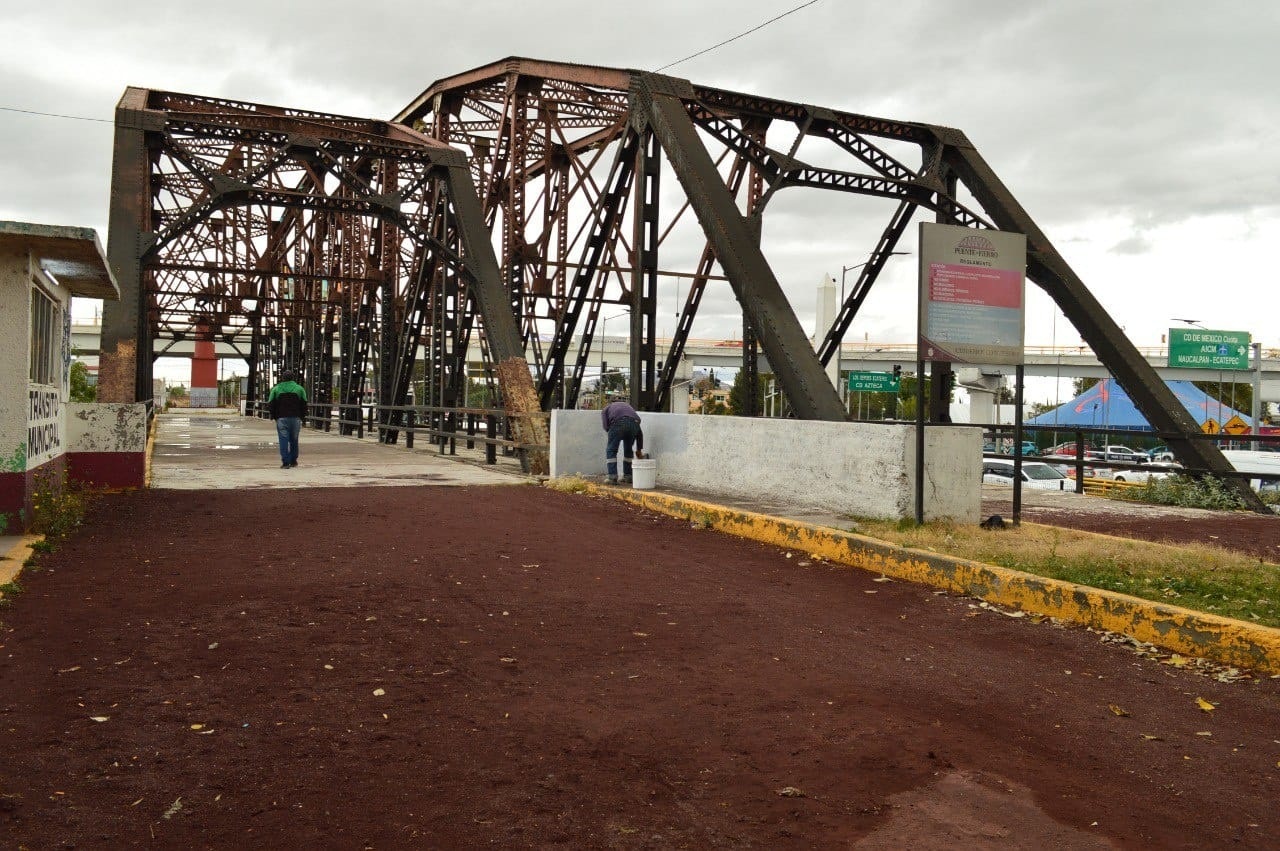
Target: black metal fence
x: 1084, y: 445
x: 444, y: 428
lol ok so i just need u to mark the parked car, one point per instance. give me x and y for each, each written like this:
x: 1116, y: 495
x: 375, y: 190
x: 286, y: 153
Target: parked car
x: 1118, y: 453
x: 1035, y: 474
x: 1005, y: 447
x: 1153, y: 470
x: 1067, y: 449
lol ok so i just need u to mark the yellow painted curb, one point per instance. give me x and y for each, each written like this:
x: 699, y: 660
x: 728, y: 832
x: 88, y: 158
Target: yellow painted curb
x: 12, y: 561
x: 1224, y: 640
x: 151, y: 445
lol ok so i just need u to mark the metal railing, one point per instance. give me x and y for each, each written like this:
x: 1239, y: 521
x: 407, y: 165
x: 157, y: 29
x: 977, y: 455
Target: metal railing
x: 1079, y: 455
x: 446, y: 427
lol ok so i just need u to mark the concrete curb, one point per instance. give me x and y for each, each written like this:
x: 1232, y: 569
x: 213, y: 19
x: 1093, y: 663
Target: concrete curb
x: 1223, y: 640
x: 11, y: 562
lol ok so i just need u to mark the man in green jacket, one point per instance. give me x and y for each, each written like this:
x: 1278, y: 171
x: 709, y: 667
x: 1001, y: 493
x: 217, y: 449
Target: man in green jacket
x: 288, y: 405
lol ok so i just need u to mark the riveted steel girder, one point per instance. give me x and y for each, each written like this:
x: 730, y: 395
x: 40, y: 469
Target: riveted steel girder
x: 784, y: 342
x: 234, y: 220
x: 1050, y: 271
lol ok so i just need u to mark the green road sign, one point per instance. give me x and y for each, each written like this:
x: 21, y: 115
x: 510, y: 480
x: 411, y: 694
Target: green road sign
x: 1197, y: 348
x: 873, y: 382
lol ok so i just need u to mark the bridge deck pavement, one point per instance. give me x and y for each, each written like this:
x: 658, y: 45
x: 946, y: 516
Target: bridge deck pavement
x: 217, y: 449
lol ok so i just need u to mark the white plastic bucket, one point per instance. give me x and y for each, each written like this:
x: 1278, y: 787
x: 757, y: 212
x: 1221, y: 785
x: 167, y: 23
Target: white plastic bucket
x: 644, y: 473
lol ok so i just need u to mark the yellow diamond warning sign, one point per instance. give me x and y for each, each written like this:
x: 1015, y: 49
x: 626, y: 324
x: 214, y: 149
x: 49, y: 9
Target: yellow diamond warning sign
x: 1235, y: 425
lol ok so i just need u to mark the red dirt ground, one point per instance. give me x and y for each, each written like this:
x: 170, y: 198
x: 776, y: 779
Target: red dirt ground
x: 456, y: 668
x: 1253, y: 534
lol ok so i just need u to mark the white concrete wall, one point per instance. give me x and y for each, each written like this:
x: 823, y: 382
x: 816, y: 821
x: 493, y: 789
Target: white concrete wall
x: 32, y: 416
x: 856, y: 468
x: 107, y: 427
x: 15, y: 296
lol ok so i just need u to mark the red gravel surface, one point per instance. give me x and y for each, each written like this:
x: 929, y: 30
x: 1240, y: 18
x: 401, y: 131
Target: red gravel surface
x: 1257, y: 535
x: 513, y: 667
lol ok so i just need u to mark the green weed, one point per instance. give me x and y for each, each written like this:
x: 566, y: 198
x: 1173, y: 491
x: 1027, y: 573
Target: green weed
x: 1185, y: 491
x: 57, y: 506
x: 1204, y: 578
x: 8, y: 591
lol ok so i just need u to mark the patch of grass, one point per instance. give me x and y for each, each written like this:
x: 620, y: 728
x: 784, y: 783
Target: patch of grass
x: 44, y: 546
x: 568, y: 484
x: 8, y: 591
x: 702, y: 519
x: 57, y: 506
x: 1207, y: 579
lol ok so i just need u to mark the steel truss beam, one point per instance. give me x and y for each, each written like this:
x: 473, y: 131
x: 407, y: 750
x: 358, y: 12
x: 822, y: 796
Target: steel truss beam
x: 300, y: 228
x: 572, y: 113
x: 568, y: 159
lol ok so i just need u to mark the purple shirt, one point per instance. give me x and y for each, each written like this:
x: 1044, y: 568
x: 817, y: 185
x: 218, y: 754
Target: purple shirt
x: 616, y: 411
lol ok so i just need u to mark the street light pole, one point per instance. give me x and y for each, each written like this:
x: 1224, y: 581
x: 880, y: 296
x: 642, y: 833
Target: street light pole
x: 845, y: 270
x: 604, y: 339
x: 1255, y: 409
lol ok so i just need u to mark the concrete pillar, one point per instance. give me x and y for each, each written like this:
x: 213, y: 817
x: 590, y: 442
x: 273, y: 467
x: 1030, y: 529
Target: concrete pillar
x: 680, y: 386
x: 204, y: 371
x: 825, y: 317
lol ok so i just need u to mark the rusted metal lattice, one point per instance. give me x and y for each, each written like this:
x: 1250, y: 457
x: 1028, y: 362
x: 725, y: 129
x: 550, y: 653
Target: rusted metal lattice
x: 596, y: 188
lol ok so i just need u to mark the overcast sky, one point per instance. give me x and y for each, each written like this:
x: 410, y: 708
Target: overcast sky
x: 1140, y: 135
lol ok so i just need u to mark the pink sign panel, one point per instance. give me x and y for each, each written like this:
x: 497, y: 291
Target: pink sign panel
x: 971, y: 294
x: 970, y: 285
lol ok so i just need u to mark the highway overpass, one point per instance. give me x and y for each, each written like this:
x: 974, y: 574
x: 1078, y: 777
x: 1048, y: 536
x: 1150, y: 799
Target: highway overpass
x: 1042, y: 361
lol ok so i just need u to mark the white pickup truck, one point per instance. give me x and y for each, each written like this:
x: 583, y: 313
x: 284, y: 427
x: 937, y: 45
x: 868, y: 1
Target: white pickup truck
x: 1265, y: 464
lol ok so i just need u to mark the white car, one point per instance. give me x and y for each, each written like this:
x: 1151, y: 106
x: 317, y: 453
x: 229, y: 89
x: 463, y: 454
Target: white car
x: 1035, y: 474
x: 1154, y: 470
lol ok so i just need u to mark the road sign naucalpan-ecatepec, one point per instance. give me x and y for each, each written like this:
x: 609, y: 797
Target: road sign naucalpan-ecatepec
x: 1198, y: 348
x: 873, y: 382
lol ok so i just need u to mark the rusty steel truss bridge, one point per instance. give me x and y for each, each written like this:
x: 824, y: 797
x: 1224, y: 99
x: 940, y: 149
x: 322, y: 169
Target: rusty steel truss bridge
x: 508, y: 208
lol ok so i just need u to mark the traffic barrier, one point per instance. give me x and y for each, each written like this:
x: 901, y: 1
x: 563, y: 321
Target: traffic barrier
x: 1106, y: 487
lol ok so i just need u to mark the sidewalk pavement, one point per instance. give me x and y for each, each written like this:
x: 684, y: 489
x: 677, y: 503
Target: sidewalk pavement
x: 218, y: 449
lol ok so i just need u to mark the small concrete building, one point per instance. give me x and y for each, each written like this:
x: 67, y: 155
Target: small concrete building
x: 44, y: 438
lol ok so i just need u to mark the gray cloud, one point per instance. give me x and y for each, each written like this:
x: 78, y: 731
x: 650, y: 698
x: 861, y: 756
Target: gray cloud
x: 1144, y: 114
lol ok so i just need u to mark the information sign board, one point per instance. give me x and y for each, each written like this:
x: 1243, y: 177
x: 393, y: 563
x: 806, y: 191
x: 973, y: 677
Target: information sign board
x: 1199, y: 348
x: 972, y: 294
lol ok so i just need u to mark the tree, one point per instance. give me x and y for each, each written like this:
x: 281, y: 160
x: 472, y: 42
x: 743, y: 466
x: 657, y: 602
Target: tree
x: 738, y: 395
x: 1080, y: 385
x: 712, y: 405
x: 1238, y: 396
x: 613, y: 382
x: 702, y: 386
x: 1035, y: 409
x: 81, y: 389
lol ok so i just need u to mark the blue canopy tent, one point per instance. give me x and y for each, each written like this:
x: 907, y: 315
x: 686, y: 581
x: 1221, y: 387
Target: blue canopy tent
x: 1106, y: 405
